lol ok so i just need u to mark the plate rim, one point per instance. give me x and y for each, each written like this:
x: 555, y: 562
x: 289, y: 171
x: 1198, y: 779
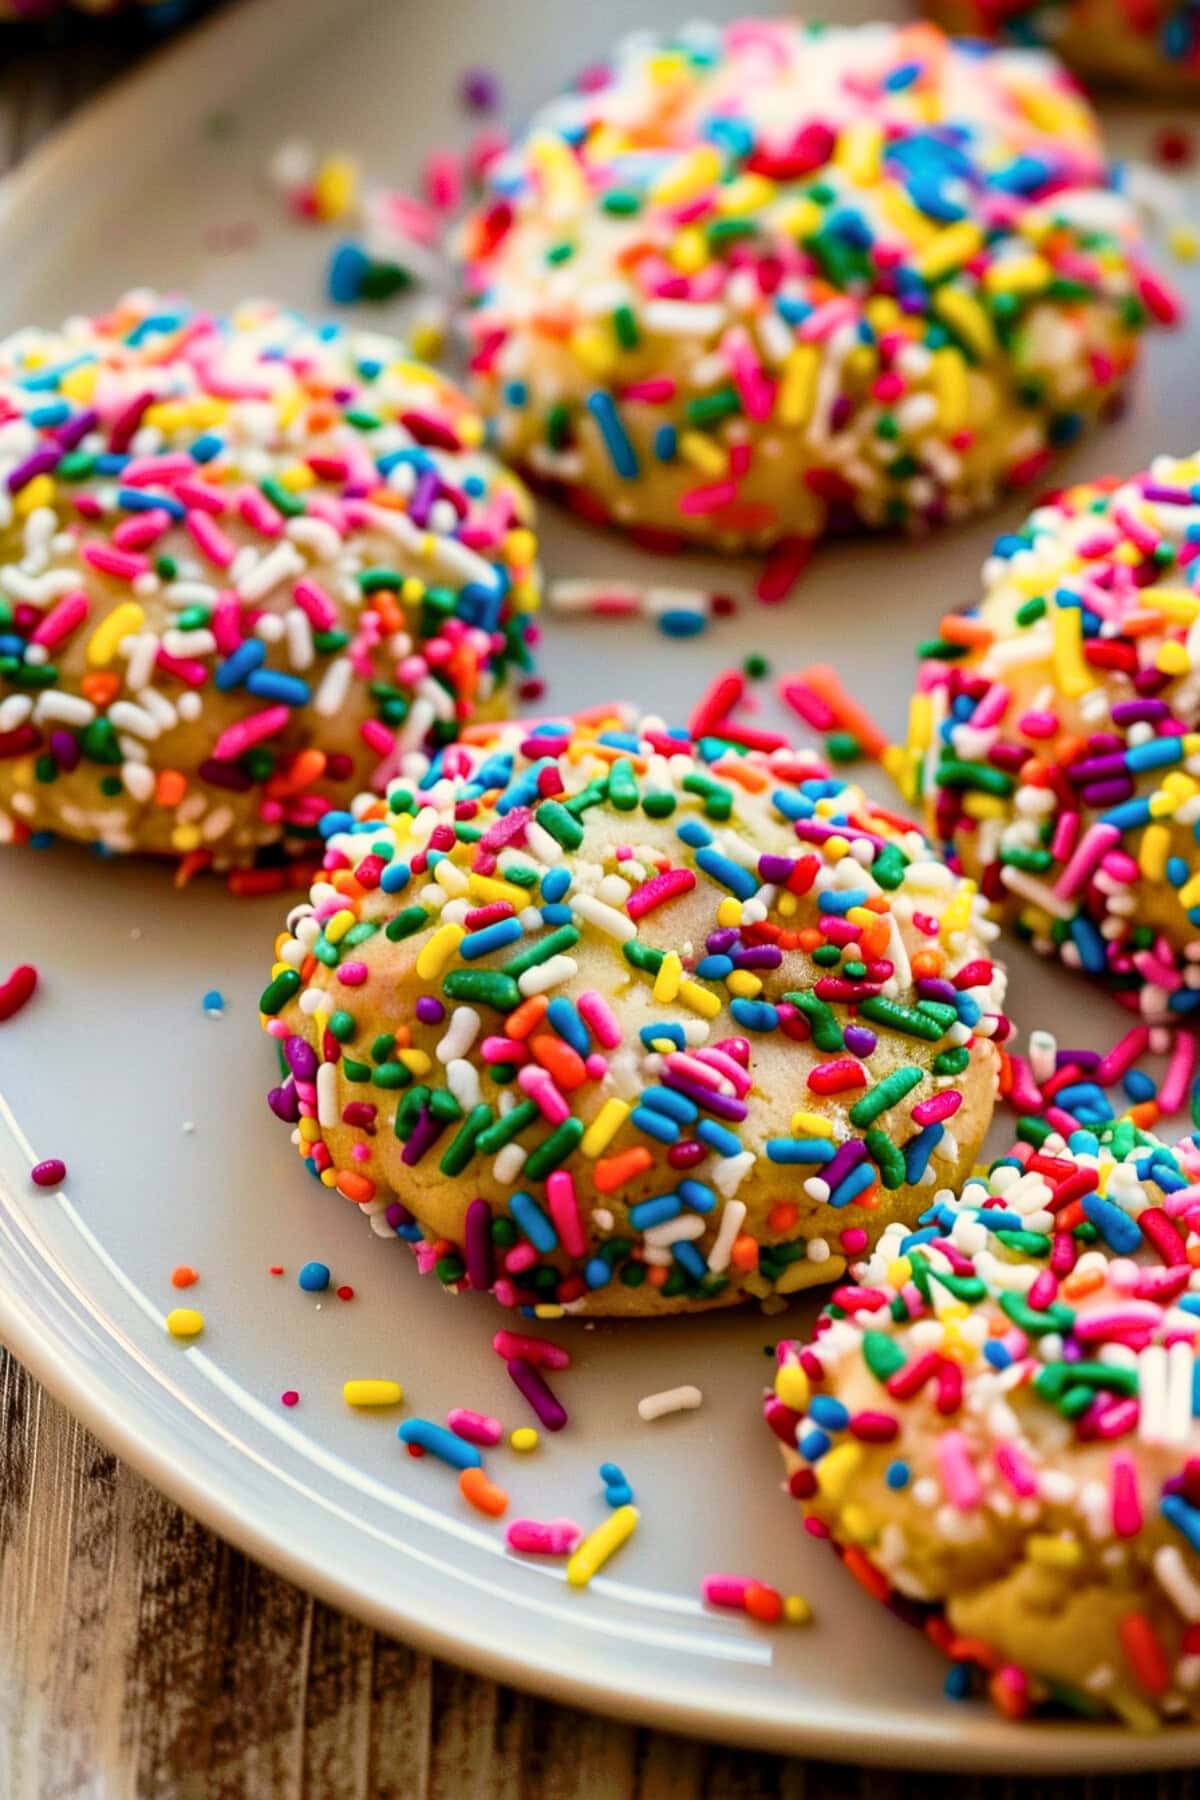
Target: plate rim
x: 241, y: 38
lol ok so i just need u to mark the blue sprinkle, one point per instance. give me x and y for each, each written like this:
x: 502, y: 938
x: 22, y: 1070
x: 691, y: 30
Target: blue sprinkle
x: 1119, y: 1231
x: 742, y: 883
x: 753, y: 1015
x: 655, y: 1125
x: 492, y: 937
x: 1183, y: 1517
x: 314, y: 1277
x: 813, y: 1445
x: 277, y: 686
x: 440, y: 1443
x: 680, y: 622
x: 898, y: 1474
x: 397, y: 875
x: 852, y: 1185
x: 597, y: 1273
x: 800, y: 1150
x: 563, y: 1018
x: 658, y: 1211
x: 958, y: 1681
x: 214, y: 1002
x: 532, y: 1222
x: 690, y: 1260
x: 349, y: 267
x: 829, y: 1413
x: 235, y: 669
x: 663, y: 1032
x: 555, y: 883
x: 621, y: 452
x: 725, y: 1143
x: 695, y: 1194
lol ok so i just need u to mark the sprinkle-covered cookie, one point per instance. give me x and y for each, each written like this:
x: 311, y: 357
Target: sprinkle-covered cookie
x: 994, y: 1423
x: 770, y: 280
x: 602, y: 1019
x: 1054, y: 735
x: 245, y: 565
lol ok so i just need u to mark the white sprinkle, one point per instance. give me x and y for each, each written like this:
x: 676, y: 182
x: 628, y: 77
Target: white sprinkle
x: 327, y: 1108
x: 671, y: 1400
x: 732, y: 1219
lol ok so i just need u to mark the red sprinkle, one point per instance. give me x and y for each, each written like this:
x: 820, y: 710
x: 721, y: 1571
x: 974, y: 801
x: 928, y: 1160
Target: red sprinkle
x: 17, y: 991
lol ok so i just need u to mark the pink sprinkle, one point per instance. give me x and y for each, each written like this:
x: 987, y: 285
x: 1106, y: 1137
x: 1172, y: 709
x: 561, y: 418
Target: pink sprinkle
x: 477, y: 1428
x: 726, y: 1590
x: 960, y: 1478
x: 543, y: 1091
x: 937, y: 1108
x: 353, y: 974
x: 1092, y: 846
x: 209, y: 539
x: 551, y: 1537
x: 49, y: 1174
x: 564, y: 1211
x: 1016, y: 1469
x: 316, y: 603
x: 658, y: 890
x: 1178, y: 1078
x: 785, y: 565
x: 538, y: 1351
x: 62, y: 619
x: 240, y: 737
x: 123, y: 565
x: 289, y: 1397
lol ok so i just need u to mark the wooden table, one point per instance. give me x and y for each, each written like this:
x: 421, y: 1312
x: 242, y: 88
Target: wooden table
x: 141, y: 1656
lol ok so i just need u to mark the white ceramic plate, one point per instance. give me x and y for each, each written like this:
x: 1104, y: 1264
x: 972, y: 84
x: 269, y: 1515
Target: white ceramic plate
x: 159, y: 1112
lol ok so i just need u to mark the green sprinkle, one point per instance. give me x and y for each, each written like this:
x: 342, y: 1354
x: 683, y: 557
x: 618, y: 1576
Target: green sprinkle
x: 490, y: 987
x: 278, y: 992
x: 826, y: 1032
x: 951, y: 1062
x: 882, y: 1011
x: 888, y: 1157
x: 392, y: 1075
x: 508, y: 1126
x: 884, y: 1094
x: 882, y: 1354
x: 542, y: 950
x: 554, y: 818
x: 461, y: 1147
x: 954, y: 772
x: 557, y: 1147
x: 405, y: 923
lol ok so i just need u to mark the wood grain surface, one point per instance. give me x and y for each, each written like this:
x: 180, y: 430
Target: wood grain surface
x: 143, y: 1659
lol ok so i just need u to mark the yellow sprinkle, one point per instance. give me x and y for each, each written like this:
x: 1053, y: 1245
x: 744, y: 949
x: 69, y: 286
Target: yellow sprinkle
x: 950, y: 386
x: 791, y: 1386
x: 418, y: 1062
x: 899, y: 211
x: 957, y: 915
x: 604, y: 1127
x: 372, y: 1393
x: 329, y: 1178
x: 966, y: 318
x: 949, y: 250
x: 836, y: 848
x: 185, y: 1322
x: 337, y: 927
x: 837, y: 1469
x: 185, y: 838
x: 689, y: 252
x: 1153, y: 851
x: 729, y: 912
x: 796, y: 1610
x: 898, y: 1271
x: 434, y: 955
x: 1189, y: 893
x: 524, y: 1439
x: 35, y: 493
x: 805, y: 1274
x: 788, y: 905
x: 520, y: 545
x: 858, y: 1523
x: 857, y: 151
x: 798, y: 389
x: 594, y: 350
x: 984, y: 806
x: 487, y: 887
x: 120, y: 623
x: 1184, y: 243
x: 335, y: 187
x: 687, y: 176
x: 1176, y: 604
x: 1054, y: 1552
x: 747, y: 193
x: 744, y: 984
x: 310, y: 1130
x: 1173, y: 658
x: 703, y: 453
x: 668, y: 978
x: 799, y: 219
x: 809, y: 1125
x: 699, y: 999
x: 1074, y: 677
x: 1024, y: 275
x: 600, y: 1544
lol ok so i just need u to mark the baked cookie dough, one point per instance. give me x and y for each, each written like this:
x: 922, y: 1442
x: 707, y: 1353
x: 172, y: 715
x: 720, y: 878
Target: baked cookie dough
x: 245, y: 565
x: 1152, y: 47
x: 1054, y: 739
x: 604, y: 1020
x: 771, y: 280
x: 994, y: 1424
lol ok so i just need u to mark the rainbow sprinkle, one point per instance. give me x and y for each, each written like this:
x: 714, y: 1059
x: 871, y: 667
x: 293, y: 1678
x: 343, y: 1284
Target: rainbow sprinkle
x: 548, y: 977
x: 245, y: 566
x: 760, y: 282
x: 1053, y: 735
x: 994, y: 1423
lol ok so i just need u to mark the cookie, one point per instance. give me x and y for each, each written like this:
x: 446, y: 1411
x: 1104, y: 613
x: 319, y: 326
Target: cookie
x: 604, y: 1020
x: 757, y: 283
x: 994, y: 1425
x: 245, y: 565
x: 1053, y: 738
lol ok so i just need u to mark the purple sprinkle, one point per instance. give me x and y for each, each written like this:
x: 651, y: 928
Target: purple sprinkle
x: 1139, y: 712
x: 398, y: 1215
x: 531, y: 1383
x: 76, y: 429
x: 64, y: 747
x: 425, y: 1133
x: 931, y: 988
x: 480, y: 90
x: 775, y: 868
x: 284, y: 1102
x: 1107, y: 793
x: 859, y: 1041
x: 430, y: 1010
x: 225, y: 775
x: 718, y: 942
x: 721, y: 1104
x: 762, y: 956
x: 847, y: 1158
x: 481, y: 1267
x: 40, y: 463
x: 301, y: 1058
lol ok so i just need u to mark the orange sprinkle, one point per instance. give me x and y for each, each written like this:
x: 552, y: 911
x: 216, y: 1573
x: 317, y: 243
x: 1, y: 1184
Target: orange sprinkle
x: 763, y: 1603
x: 656, y: 1275
x: 613, y: 1172
x: 1144, y: 1653
x: 483, y: 1494
x: 564, y: 1064
x: 782, y: 1216
x: 744, y: 1254
x: 866, y: 1574
x: 101, y: 687
x: 926, y: 964
x: 184, y: 1276
x: 194, y: 863
x: 527, y: 1017
x: 170, y: 787
x: 1082, y: 1281
x: 1146, y: 1114
x: 823, y: 680
x: 1012, y: 1701
x: 956, y: 628
x: 356, y: 1187
x: 304, y: 768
